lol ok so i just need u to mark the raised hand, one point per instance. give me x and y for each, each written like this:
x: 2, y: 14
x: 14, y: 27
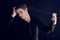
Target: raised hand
x: 14, y: 12
x: 54, y: 18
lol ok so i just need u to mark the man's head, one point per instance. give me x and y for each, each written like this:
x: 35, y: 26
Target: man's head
x: 22, y: 11
x: 20, y: 4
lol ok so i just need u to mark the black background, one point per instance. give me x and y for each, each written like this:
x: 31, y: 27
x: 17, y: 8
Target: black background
x: 39, y: 8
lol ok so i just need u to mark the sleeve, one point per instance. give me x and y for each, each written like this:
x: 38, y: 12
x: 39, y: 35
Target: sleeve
x: 10, y: 24
x: 43, y: 27
x: 10, y: 21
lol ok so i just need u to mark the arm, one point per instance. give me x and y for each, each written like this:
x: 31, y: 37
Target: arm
x: 10, y: 21
x: 54, y: 20
x: 50, y: 28
x: 12, y: 17
x: 43, y: 27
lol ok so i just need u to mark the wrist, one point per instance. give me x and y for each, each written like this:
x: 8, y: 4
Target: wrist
x: 13, y: 15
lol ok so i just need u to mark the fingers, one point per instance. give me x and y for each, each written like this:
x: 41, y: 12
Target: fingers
x: 54, y: 18
x: 14, y: 8
x: 14, y: 12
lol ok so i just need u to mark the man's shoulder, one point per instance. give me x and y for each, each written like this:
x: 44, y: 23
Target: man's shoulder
x: 35, y: 19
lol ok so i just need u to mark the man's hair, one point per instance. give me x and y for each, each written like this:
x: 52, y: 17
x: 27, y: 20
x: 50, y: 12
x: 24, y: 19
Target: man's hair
x: 23, y: 6
x: 20, y: 4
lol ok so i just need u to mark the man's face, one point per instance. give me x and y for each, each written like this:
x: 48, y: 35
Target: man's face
x: 23, y: 14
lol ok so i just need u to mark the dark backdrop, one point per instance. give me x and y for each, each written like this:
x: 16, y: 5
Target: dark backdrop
x: 38, y: 8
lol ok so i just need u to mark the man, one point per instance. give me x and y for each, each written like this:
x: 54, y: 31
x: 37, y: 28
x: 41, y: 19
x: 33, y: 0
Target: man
x: 22, y: 25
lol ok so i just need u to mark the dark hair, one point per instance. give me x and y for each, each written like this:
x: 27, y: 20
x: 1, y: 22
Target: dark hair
x: 20, y: 4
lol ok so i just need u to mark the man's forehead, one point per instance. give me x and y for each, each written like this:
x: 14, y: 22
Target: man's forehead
x: 20, y: 9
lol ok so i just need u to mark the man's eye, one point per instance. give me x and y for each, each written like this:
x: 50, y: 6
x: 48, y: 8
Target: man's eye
x: 20, y: 11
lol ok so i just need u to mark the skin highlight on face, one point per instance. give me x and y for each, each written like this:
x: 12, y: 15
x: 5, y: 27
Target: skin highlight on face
x: 23, y: 14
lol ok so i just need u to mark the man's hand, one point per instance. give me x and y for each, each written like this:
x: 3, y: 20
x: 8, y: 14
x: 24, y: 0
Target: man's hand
x: 54, y: 18
x: 14, y: 12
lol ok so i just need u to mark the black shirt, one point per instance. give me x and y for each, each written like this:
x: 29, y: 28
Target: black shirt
x: 20, y: 29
